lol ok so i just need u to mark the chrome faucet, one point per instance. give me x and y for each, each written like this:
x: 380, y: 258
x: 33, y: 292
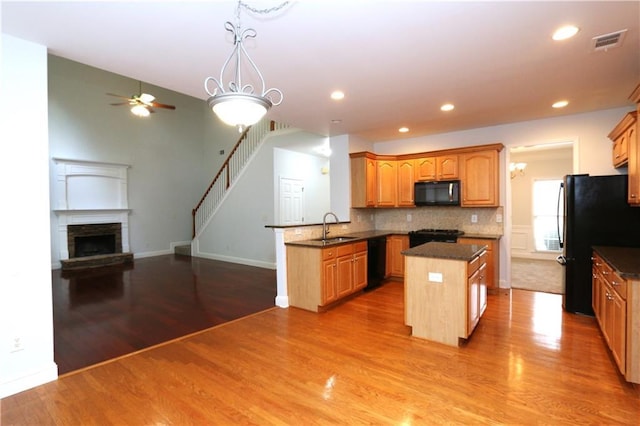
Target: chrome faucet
x: 325, y: 225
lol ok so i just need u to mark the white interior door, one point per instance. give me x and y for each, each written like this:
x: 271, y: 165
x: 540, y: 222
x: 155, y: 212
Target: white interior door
x: 291, y: 201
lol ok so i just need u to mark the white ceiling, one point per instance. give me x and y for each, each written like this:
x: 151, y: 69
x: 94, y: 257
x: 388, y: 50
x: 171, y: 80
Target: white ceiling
x: 397, y: 61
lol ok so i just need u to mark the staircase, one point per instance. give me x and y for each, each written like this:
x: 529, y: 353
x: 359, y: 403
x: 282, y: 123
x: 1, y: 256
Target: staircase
x: 230, y: 170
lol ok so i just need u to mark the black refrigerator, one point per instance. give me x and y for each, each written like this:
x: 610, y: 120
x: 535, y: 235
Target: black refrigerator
x: 594, y: 213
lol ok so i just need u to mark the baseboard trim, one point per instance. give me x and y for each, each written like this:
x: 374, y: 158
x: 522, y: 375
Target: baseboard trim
x: 47, y: 374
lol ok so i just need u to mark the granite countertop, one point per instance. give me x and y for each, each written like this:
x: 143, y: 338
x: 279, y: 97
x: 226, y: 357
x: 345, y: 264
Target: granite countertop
x: 350, y: 238
x: 454, y: 251
x: 482, y: 236
x: 625, y: 260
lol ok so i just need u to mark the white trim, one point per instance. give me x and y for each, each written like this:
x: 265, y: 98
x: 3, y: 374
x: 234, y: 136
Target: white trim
x: 48, y: 373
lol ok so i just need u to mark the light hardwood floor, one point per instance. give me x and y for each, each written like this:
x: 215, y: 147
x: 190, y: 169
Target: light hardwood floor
x: 527, y: 363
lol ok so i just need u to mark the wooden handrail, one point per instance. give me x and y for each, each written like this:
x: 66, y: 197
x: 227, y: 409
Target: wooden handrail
x: 224, y: 167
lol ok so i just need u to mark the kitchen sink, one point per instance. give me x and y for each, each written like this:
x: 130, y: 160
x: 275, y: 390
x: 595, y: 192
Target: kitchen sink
x: 334, y: 240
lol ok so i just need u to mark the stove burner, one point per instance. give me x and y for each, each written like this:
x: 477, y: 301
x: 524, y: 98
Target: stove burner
x: 422, y: 236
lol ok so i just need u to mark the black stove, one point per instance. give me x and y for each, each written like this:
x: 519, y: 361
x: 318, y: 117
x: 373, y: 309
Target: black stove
x: 422, y: 236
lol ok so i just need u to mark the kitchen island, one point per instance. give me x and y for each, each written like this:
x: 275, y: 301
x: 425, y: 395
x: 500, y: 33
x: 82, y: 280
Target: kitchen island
x: 445, y: 290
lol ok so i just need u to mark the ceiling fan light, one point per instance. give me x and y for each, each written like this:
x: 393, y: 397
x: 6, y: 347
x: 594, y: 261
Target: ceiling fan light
x: 147, y: 98
x: 140, y: 111
x: 239, y: 109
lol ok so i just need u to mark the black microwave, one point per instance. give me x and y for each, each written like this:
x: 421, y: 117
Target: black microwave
x: 443, y: 193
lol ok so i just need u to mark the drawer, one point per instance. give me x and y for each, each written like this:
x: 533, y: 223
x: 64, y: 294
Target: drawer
x: 473, y: 266
x: 329, y: 253
x: 360, y: 246
x: 345, y: 249
x: 618, y: 284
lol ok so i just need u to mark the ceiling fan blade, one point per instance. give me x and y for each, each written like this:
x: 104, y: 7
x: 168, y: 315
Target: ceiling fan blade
x: 121, y: 103
x: 118, y: 96
x: 159, y: 105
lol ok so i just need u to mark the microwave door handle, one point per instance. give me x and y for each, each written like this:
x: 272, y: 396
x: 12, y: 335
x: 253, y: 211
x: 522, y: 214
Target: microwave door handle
x: 451, y: 192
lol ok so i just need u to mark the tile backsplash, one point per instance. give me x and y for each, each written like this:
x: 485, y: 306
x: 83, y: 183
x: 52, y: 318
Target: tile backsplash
x: 396, y: 219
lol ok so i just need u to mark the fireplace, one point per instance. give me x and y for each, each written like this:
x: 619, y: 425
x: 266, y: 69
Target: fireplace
x: 90, y: 200
x: 95, y: 244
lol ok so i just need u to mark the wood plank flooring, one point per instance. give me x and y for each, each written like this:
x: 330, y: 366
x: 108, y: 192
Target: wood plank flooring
x: 103, y: 313
x: 528, y: 362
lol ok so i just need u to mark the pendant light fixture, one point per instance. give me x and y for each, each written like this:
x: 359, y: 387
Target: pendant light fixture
x: 238, y: 104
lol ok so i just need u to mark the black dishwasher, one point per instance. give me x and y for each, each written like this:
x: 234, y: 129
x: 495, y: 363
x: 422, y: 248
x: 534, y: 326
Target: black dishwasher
x: 376, y: 261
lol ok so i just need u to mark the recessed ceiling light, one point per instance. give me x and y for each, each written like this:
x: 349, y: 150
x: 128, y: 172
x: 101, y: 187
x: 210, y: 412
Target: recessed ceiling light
x: 447, y: 107
x: 336, y: 121
x: 560, y: 104
x: 565, y: 32
x: 337, y: 95
x: 403, y: 129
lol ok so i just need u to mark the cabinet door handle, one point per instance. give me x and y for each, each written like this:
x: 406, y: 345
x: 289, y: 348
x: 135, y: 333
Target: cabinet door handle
x: 633, y: 195
x: 614, y: 283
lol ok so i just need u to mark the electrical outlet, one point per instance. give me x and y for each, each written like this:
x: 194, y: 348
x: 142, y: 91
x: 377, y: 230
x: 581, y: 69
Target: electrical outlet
x: 298, y: 231
x: 359, y: 218
x: 344, y: 227
x: 474, y: 218
x: 435, y: 277
x: 409, y: 217
x: 16, y: 345
x: 499, y: 218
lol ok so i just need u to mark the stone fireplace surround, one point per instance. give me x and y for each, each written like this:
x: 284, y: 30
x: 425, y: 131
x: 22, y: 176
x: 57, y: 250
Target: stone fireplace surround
x: 91, y: 193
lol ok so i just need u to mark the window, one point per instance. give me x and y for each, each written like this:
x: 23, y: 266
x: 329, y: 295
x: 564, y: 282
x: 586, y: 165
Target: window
x: 545, y: 204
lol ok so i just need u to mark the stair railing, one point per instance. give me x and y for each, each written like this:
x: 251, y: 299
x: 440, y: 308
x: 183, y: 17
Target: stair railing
x: 249, y: 141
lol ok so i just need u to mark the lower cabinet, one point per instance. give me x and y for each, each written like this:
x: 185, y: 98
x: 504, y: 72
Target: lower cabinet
x: 493, y: 260
x: 616, y: 303
x: 476, y: 291
x: 396, y: 244
x: 317, y: 277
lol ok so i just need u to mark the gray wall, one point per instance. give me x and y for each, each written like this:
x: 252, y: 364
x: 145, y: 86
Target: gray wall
x: 172, y: 154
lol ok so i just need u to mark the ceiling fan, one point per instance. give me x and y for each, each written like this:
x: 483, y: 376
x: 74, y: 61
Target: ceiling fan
x: 141, y: 105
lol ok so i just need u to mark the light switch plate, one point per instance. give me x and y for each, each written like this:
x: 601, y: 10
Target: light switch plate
x: 474, y: 218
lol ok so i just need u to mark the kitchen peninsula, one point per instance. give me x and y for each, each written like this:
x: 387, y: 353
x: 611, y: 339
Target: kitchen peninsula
x: 445, y: 290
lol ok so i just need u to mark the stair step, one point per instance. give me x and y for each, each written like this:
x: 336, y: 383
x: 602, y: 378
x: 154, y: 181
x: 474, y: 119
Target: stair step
x: 183, y: 250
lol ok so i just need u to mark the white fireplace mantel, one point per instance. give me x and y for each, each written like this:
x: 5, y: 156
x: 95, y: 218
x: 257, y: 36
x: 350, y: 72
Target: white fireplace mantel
x: 90, y: 192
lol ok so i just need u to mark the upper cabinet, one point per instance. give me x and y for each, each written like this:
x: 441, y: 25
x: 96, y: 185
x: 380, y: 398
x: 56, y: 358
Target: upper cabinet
x: 388, y: 180
x: 444, y: 167
x: 633, y: 195
x: 479, y: 176
x: 623, y: 136
x: 364, y: 183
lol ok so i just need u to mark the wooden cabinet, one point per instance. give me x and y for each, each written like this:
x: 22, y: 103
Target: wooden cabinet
x: 623, y: 136
x: 387, y: 175
x: 364, y: 182
x: 493, y: 260
x: 616, y: 304
x: 633, y: 164
x: 405, y: 183
x: 317, y: 277
x: 476, y: 291
x: 479, y: 176
x: 396, y: 244
x: 387, y: 180
x: 444, y: 298
x: 610, y: 307
x: 444, y: 167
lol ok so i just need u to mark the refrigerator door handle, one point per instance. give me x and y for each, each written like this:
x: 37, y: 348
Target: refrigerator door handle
x: 561, y: 260
x: 560, y: 190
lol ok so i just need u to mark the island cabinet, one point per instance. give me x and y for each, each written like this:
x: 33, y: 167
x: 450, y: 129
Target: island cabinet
x: 396, y: 244
x: 445, y: 290
x: 318, y: 277
x: 616, y: 304
x: 493, y: 260
x: 444, y: 167
x: 479, y: 176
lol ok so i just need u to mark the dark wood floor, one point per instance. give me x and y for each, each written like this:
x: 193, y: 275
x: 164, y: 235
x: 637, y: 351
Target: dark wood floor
x: 527, y: 362
x: 103, y: 313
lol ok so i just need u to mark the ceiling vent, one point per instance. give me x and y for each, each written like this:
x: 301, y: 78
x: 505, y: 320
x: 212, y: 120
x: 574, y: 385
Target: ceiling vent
x: 608, y: 41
